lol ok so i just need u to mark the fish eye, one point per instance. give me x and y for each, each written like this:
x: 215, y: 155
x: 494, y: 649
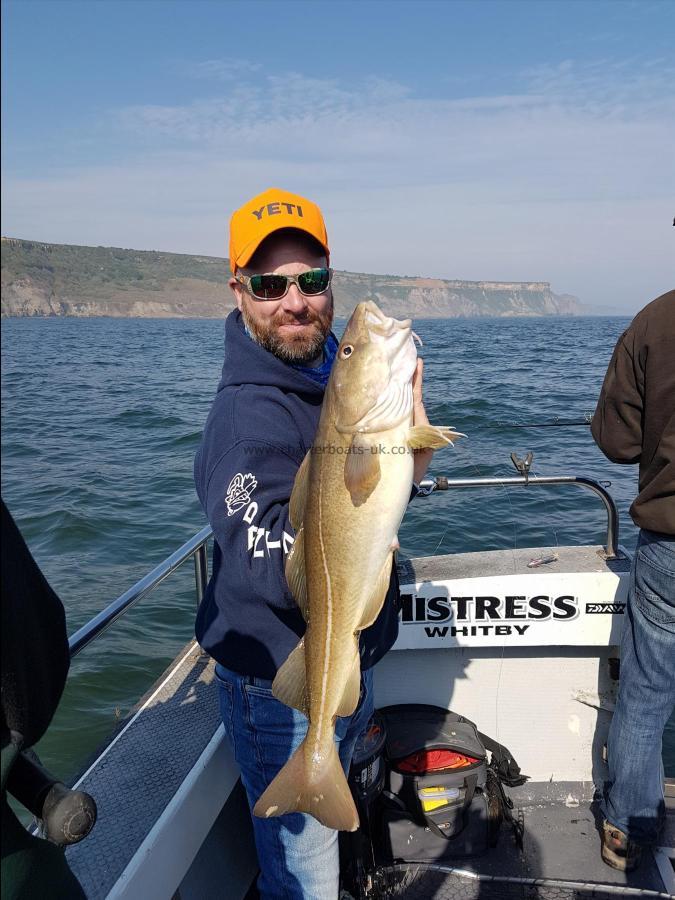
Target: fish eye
x: 347, y: 350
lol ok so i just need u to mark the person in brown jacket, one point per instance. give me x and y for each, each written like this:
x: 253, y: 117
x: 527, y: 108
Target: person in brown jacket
x: 635, y: 423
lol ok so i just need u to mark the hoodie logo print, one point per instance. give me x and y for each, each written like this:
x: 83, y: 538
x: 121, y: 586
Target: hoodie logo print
x: 239, y: 492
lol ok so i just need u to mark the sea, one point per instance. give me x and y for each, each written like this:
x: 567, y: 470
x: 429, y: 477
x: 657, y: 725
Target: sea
x: 101, y: 419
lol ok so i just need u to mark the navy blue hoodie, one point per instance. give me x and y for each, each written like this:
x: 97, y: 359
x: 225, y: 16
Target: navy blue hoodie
x: 261, y: 425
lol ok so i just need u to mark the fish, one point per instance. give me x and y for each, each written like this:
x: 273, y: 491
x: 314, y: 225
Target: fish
x: 346, y: 506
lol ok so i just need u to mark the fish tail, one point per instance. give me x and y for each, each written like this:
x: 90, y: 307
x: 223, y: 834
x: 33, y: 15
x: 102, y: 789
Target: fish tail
x: 320, y: 790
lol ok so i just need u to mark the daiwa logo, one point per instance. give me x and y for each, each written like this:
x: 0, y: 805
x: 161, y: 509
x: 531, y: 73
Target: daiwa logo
x: 605, y: 608
x: 239, y: 492
x: 484, y: 615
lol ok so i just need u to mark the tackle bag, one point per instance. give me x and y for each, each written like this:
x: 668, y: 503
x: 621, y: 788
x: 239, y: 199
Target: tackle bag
x: 441, y: 799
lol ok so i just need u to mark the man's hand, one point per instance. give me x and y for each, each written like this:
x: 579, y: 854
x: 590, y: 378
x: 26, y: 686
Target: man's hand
x: 422, y: 458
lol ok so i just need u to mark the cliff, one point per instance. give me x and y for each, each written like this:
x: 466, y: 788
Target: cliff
x: 65, y: 280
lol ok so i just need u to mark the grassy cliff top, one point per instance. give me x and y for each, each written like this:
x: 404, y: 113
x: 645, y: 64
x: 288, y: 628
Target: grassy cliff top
x: 64, y: 279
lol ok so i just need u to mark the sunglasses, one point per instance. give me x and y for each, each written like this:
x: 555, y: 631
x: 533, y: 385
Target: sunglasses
x: 274, y: 287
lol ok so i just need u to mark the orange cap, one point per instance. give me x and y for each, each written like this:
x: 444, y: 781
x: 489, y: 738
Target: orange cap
x: 266, y: 213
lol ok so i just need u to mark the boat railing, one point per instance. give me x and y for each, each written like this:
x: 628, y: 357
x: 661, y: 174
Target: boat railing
x: 196, y: 547
x: 441, y: 483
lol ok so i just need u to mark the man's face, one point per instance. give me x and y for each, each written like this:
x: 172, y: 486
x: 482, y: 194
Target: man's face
x: 294, y: 328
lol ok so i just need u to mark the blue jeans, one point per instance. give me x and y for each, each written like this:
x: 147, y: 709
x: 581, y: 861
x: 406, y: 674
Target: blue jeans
x: 633, y: 800
x: 298, y: 856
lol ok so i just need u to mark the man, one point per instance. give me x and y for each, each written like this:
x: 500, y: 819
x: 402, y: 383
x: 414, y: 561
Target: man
x: 635, y: 423
x: 278, y: 354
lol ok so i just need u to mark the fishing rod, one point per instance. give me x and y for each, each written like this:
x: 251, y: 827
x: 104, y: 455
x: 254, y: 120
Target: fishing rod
x: 555, y: 422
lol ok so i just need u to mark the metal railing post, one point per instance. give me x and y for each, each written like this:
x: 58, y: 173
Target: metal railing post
x: 201, y: 572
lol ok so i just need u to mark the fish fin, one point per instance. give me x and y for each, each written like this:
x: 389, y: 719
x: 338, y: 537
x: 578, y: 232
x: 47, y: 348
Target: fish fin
x: 352, y: 690
x: 372, y: 608
x: 295, y: 572
x: 362, y: 469
x: 431, y: 437
x: 296, y: 509
x: 290, y: 683
x: 319, y: 789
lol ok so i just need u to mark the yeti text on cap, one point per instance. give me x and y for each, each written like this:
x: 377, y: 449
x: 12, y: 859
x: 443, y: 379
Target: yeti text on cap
x: 273, y: 209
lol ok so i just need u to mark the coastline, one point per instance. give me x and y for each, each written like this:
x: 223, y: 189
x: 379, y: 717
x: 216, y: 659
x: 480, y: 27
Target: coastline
x: 41, y: 279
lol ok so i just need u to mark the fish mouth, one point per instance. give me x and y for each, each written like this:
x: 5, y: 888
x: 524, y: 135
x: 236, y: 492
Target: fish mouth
x: 395, y: 334
x: 382, y: 327
x: 394, y: 405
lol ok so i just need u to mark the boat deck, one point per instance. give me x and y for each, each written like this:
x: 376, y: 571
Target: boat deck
x: 559, y: 859
x: 443, y: 883
x: 167, y: 793
x: 561, y: 845
x: 135, y: 778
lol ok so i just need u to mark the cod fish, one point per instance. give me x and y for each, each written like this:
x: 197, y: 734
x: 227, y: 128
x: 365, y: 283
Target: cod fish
x: 348, y: 499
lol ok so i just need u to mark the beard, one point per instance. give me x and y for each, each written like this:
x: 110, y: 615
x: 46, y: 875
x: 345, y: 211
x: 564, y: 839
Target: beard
x: 301, y: 348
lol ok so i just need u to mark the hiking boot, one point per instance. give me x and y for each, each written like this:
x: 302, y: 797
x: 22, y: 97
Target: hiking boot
x: 617, y: 850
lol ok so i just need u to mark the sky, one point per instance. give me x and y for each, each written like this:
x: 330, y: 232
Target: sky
x: 483, y: 140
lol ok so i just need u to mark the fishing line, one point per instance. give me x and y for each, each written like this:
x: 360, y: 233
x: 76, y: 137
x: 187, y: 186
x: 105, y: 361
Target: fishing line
x: 472, y: 462
x: 540, y: 472
x: 441, y: 540
x: 503, y: 642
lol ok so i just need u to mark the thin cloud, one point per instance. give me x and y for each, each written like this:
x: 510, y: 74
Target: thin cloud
x: 630, y: 86
x: 626, y: 91
x: 577, y: 133
x: 566, y: 179
x: 220, y: 69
